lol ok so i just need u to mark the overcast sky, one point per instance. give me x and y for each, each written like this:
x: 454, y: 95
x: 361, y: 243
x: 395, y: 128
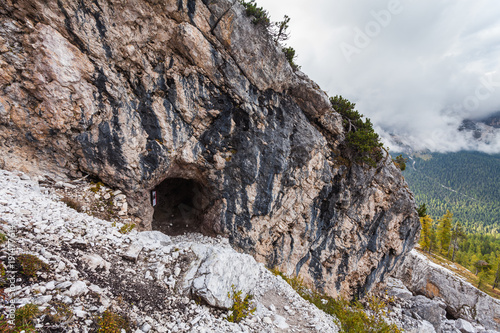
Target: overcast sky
x: 416, y: 68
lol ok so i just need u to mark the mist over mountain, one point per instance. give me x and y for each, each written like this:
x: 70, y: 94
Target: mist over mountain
x: 470, y: 134
x: 493, y: 120
x: 417, y: 70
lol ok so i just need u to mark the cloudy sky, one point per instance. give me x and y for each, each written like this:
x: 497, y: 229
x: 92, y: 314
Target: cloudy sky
x: 416, y: 68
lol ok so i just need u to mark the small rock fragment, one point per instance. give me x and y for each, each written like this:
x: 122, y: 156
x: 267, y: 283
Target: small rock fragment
x: 78, y: 288
x: 133, y: 252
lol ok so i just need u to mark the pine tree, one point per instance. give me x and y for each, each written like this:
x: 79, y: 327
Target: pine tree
x: 425, y: 234
x: 279, y: 32
x: 360, y: 137
x: 473, y: 260
x: 422, y: 210
x: 457, y: 234
x: 444, y: 231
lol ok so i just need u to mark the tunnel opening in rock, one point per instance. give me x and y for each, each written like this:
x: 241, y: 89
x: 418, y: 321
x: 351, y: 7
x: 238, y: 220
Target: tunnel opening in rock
x: 182, y: 206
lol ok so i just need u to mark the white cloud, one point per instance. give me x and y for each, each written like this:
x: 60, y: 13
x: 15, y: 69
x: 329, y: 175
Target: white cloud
x: 416, y: 72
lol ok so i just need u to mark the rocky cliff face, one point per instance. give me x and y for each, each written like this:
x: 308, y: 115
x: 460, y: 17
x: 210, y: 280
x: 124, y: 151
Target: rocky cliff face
x: 191, y: 99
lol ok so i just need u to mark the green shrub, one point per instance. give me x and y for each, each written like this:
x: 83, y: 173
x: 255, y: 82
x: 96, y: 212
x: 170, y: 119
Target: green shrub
x: 260, y: 15
x: 361, y: 139
x: 422, y: 210
x: 30, y: 265
x: 400, y: 162
x: 351, y: 316
x: 111, y: 322
x: 290, y: 56
x: 241, y: 308
x: 280, y: 33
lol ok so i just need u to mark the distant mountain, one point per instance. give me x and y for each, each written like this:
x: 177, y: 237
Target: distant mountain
x: 482, y: 127
x: 466, y: 183
x: 493, y: 120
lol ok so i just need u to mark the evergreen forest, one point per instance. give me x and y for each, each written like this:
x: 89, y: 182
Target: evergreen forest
x: 459, y: 207
x: 466, y: 183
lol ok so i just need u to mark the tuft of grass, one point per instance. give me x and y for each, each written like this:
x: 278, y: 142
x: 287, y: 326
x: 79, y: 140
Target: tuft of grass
x: 3, y: 238
x: 30, y: 265
x: 111, y: 322
x: 351, y: 316
x: 24, y: 318
x: 126, y: 228
x: 72, y: 203
x: 242, y: 307
x: 97, y: 187
x: 3, y: 277
x: 295, y: 282
x: 5, y: 326
x: 63, y: 313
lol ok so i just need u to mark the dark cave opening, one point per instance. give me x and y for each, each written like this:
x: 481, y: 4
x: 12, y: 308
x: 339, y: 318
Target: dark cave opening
x: 181, y: 205
x: 449, y: 314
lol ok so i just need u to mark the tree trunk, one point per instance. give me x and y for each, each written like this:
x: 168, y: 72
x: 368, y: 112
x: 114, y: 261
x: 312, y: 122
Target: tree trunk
x: 452, y: 244
x: 455, y: 246
x: 497, y: 277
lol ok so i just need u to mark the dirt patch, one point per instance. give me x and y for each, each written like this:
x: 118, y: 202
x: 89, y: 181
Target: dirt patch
x: 432, y: 290
x: 293, y: 318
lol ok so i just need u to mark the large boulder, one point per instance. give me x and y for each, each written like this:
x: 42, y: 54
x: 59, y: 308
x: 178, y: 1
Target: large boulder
x: 429, y: 310
x: 192, y: 99
x: 464, y: 326
x: 219, y: 272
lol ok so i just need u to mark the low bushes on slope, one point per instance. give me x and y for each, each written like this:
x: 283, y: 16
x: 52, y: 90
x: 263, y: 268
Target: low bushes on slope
x: 351, y: 316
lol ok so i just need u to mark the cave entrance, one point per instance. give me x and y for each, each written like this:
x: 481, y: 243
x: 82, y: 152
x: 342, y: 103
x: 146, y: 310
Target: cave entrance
x: 450, y: 314
x: 181, y: 206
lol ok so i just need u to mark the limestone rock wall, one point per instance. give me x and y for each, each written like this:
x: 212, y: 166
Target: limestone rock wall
x: 135, y: 92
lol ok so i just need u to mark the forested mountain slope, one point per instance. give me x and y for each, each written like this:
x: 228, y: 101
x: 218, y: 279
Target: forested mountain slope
x: 466, y: 183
